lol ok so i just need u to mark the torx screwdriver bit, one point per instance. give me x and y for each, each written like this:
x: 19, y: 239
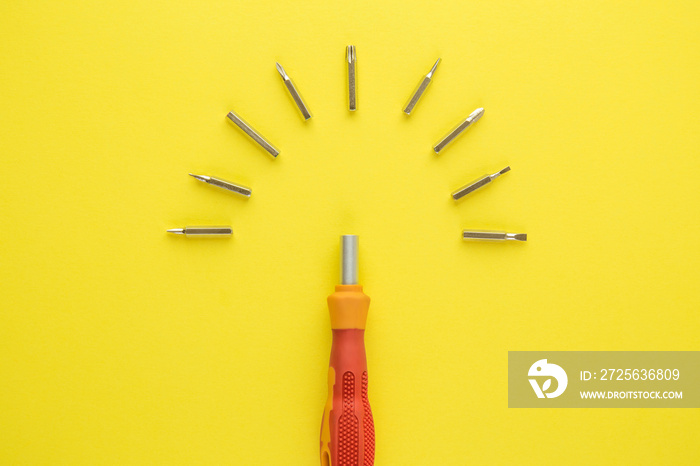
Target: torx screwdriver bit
x: 202, y: 231
x: 484, y: 235
x: 254, y: 135
x: 477, y: 183
x: 223, y: 184
x: 294, y: 93
x: 422, y: 86
x: 462, y: 127
x: 352, y: 78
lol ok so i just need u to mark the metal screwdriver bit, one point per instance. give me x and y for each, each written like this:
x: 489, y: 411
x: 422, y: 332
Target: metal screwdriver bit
x: 294, y: 93
x: 476, y: 184
x: 483, y: 235
x: 422, y: 86
x: 352, y: 76
x: 462, y: 127
x: 202, y: 231
x: 254, y: 135
x: 223, y: 184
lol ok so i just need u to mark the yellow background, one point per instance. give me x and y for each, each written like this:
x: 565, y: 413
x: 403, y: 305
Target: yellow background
x: 120, y: 344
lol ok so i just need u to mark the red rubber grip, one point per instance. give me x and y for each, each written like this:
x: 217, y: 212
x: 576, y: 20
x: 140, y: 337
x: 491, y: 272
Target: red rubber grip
x: 350, y: 418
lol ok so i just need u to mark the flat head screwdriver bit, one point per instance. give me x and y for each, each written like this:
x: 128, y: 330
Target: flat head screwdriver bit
x: 422, y: 86
x: 459, y: 129
x: 294, y: 93
x: 203, y: 231
x: 476, y: 184
x: 223, y: 184
x: 254, y: 135
x: 351, y: 60
x: 492, y: 236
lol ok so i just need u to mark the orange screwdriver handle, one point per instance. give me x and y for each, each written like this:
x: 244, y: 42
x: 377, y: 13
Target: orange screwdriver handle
x: 347, y: 428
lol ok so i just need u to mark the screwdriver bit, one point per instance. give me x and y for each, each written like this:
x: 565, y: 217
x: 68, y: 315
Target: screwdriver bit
x: 202, y: 231
x: 352, y: 76
x: 254, y: 135
x: 459, y: 129
x: 223, y: 184
x: 422, y: 86
x: 483, y: 235
x: 294, y: 93
x: 476, y: 184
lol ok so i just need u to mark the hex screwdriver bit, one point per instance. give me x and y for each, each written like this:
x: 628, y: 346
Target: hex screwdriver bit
x: 477, y: 183
x: 458, y: 130
x: 294, y: 93
x: 254, y: 135
x: 223, y: 184
x: 422, y: 86
x: 484, y: 235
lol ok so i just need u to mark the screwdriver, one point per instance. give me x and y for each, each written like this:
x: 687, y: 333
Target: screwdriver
x: 347, y: 427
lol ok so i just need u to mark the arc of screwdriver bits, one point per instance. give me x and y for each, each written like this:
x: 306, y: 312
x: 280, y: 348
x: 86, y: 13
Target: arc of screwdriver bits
x: 352, y: 77
x: 485, y: 235
x: 254, y: 135
x: 223, y: 184
x: 294, y: 93
x: 458, y: 130
x: 422, y: 86
x: 477, y: 183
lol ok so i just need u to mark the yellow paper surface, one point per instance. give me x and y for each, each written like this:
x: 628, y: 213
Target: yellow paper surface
x: 120, y: 344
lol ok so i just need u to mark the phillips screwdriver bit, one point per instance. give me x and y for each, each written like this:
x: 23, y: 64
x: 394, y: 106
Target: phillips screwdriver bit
x: 483, y: 235
x: 476, y: 184
x: 422, y: 86
x: 352, y: 77
x: 223, y: 184
x: 254, y: 135
x: 461, y: 128
x: 294, y: 93
x: 202, y: 231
